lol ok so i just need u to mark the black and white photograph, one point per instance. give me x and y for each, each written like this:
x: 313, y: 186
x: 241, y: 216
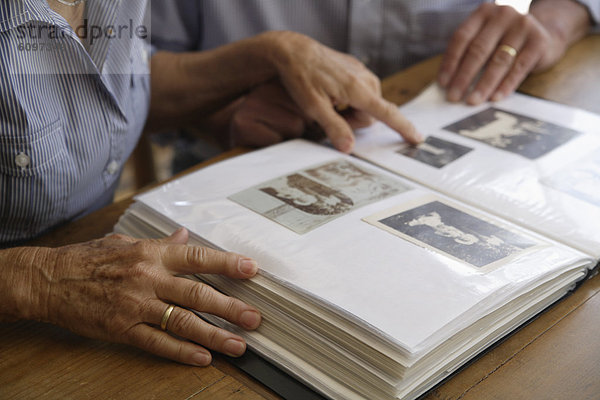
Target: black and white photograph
x: 453, y: 232
x: 435, y: 152
x: 581, y: 180
x: 307, y: 199
x: 519, y: 134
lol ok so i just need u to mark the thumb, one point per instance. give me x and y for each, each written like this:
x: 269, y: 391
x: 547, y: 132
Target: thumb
x: 180, y: 236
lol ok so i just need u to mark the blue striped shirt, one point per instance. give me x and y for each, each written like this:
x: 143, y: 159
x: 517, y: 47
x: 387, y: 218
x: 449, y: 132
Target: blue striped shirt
x: 71, y: 109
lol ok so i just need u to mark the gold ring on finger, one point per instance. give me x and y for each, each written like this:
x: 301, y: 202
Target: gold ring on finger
x: 511, y: 51
x: 341, y: 107
x: 165, y: 317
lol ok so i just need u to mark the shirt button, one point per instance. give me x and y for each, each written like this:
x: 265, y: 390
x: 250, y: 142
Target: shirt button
x: 112, y: 167
x: 22, y: 160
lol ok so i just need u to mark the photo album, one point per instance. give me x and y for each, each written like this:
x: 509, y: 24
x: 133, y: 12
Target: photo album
x: 383, y: 272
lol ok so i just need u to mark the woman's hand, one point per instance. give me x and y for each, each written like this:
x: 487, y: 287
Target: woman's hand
x: 320, y: 79
x: 118, y: 289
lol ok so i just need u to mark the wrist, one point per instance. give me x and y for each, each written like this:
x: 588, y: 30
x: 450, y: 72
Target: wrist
x: 25, y: 283
x: 566, y: 21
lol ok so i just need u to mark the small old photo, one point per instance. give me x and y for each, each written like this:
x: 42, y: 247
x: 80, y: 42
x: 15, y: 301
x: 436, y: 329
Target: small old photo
x: 453, y: 232
x: 581, y: 180
x: 307, y: 199
x: 505, y: 130
x: 435, y: 152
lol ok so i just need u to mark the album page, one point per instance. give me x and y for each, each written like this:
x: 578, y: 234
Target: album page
x: 531, y: 161
x: 412, y: 265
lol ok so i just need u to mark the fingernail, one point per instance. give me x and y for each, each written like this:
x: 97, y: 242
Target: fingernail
x: 234, y: 348
x: 418, y: 137
x: 497, y: 96
x: 475, y: 98
x: 250, y: 319
x: 248, y: 267
x: 454, y: 95
x: 201, y: 359
x: 344, y: 145
x: 444, y: 79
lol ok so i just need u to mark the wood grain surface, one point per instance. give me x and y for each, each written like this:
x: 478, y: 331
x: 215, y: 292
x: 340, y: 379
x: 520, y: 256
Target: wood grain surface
x: 555, y: 356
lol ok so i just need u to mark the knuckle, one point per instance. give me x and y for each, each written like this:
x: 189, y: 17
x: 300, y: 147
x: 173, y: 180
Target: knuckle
x: 506, y: 11
x: 478, y: 50
x: 521, y: 66
x: 143, y: 249
x: 487, y: 7
x: 502, y: 58
x: 200, y: 294
x: 388, y: 109
x: 462, y: 34
x: 313, y: 107
x: 373, y: 82
x: 150, y: 342
x: 231, y: 260
x: 527, y: 22
x: 351, y: 81
x: 181, y: 322
x: 118, y: 236
x: 231, y: 307
x: 196, y: 255
x: 118, y: 325
x: 141, y: 271
x: 212, y: 337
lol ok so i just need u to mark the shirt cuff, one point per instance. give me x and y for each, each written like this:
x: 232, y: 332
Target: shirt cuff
x: 593, y: 7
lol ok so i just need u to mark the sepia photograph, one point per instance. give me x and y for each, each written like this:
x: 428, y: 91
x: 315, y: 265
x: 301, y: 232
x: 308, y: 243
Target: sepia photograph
x: 581, y: 180
x: 304, y: 200
x: 528, y: 137
x: 453, y: 232
x: 435, y: 152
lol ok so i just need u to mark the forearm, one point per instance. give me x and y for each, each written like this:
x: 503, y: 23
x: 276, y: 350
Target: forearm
x: 187, y: 87
x: 22, y: 277
x: 566, y: 20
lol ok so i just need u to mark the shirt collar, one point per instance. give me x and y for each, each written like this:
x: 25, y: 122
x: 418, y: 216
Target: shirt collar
x: 14, y: 13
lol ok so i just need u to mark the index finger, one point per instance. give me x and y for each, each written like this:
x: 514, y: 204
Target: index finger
x: 183, y: 259
x: 389, y: 114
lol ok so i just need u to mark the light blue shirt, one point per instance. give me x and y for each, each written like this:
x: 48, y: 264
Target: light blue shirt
x: 387, y: 35
x: 71, y: 111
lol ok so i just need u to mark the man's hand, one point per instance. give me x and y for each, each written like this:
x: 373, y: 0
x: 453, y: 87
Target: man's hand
x: 320, y: 79
x: 479, y: 64
x: 268, y: 115
x: 118, y: 289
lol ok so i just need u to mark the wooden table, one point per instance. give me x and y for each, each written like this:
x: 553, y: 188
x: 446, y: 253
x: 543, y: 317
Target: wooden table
x: 556, y: 356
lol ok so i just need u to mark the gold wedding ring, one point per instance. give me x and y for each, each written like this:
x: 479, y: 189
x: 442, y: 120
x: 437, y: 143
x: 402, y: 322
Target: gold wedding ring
x: 508, y: 49
x: 341, y: 107
x: 165, y: 318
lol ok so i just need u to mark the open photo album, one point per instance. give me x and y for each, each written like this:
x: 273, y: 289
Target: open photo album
x: 384, y: 272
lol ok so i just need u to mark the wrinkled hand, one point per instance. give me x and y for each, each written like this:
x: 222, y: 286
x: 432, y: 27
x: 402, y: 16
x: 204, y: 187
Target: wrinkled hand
x: 118, y: 288
x: 268, y: 115
x: 318, y: 78
x: 475, y: 46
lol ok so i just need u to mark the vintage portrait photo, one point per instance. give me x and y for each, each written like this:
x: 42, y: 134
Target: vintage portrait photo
x: 435, y: 152
x: 307, y: 199
x: 581, y: 180
x: 512, y: 132
x: 453, y: 232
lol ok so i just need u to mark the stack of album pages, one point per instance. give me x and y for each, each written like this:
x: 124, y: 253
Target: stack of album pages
x: 384, y: 272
